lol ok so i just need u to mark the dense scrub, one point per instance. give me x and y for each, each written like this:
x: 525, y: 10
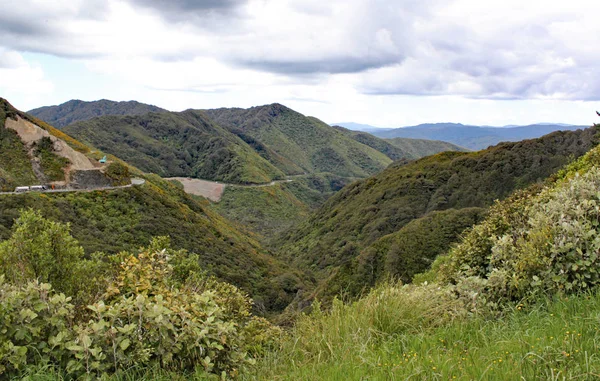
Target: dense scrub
x: 125, y: 219
x: 533, y: 244
x: 346, y: 230
x: 151, y: 307
x: 75, y: 110
x: 311, y: 145
x: 176, y: 144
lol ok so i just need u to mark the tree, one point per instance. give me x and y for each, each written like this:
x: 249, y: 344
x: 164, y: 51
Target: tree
x: 40, y: 249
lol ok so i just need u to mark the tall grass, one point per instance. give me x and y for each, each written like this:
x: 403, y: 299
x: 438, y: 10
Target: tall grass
x: 392, y: 335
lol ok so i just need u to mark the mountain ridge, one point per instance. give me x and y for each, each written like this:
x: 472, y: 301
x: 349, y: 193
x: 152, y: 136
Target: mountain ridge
x: 77, y: 110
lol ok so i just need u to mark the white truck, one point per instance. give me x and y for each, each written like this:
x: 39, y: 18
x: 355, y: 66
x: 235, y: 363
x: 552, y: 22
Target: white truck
x: 33, y: 188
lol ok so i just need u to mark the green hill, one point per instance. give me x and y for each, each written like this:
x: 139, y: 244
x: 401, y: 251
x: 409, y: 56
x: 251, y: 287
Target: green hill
x: 176, y: 144
x: 516, y: 298
x: 75, y: 111
x: 35, y: 153
x: 350, y: 229
x: 401, y: 148
x: 127, y: 218
x: 417, y: 148
x: 302, y: 144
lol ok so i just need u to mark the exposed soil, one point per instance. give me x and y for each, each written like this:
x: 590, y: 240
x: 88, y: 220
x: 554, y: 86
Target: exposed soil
x: 209, y: 189
x: 213, y: 190
x: 30, y: 133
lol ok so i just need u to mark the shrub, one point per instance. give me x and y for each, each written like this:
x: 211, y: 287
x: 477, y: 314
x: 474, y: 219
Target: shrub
x: 532, y: 245
x: 157, y: 310
x: 118, y: 173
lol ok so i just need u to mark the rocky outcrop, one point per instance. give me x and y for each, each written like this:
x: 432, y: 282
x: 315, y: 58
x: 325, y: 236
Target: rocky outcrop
x: 89, y: 179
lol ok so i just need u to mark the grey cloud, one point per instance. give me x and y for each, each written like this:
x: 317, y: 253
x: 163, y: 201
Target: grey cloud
x: 190, y: 10
x: 42, y: 29
x: 189, y: 5
x: 324, y: 65
x: 518, y: 62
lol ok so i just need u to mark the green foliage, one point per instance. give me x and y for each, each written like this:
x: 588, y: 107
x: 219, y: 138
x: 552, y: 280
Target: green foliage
x: 176, y: 144
x: 40, y: 249
x: 35, y: 326
x: 118, y: 173
x: 365, y: 211
x: 76, y: 110
x: 528, y: 246
x: 143, y: 320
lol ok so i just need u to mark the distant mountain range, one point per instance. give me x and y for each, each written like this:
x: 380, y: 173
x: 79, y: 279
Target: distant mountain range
x: 468, y: 136
x: 255, y: 145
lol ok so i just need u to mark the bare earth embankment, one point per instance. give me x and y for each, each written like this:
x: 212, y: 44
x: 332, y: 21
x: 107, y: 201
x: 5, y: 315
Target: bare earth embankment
x: 209, y: 189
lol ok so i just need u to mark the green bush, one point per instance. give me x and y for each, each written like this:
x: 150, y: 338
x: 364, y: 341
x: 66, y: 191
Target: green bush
x: 118, y: 173
x: 156, y: 310
x: 40, y: 249
x: 532, y: 245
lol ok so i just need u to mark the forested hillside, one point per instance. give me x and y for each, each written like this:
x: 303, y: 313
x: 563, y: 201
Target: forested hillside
x: 514, y: 299
x: 75, y: 111
x: 301, y: 144
x: 177, y: 144
x: 351, y: 230
x: 114, y: 220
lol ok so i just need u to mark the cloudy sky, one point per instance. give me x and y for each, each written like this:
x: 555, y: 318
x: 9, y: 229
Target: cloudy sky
x: 382, y: 62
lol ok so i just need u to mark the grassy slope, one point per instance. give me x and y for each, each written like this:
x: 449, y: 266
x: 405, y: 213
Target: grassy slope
x: 75, y: 111
x: 176, y: 144
x: 367, y: 210
x: 310, y: 144
x: 547, y: 342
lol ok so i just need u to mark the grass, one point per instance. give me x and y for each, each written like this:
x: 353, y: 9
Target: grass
x: 551, y: 341
x: 378, y: 339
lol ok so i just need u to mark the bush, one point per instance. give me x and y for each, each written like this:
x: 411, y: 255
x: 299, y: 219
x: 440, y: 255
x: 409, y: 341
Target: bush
x: 533, y: 245
x: 118, y: 173
x: 156, y: 310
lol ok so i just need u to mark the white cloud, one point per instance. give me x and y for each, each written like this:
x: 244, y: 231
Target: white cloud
x: 19, y: 77
x: 333, y: 57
